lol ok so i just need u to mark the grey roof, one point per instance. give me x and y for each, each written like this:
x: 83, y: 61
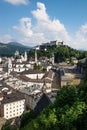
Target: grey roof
x: 48, y: 75
x: 66, y: 78
x: 26, y: 79
x: 3, y: 85
x: 83, y: 60
x: 42, y: 103
x: 15, y: 96
x: 22, y: 77
x: 19, y: 63
x: 31, y: 71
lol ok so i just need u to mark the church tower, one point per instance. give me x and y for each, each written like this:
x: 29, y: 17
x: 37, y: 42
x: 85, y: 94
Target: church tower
x: 9, y: 66
x: 44, y: 87
x: 53, y: 58
x: 25, y: 56
x: 16, y: 53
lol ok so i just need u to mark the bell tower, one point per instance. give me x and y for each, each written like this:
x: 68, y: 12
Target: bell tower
x: 9, y: 65
x: 25, y: 56
x: 53, y: 58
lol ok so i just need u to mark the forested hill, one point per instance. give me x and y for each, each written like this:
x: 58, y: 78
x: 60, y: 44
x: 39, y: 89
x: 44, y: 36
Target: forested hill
x: 62, y: 53
x: 10, y: 48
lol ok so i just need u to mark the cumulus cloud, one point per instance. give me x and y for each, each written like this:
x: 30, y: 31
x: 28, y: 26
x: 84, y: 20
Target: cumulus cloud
x: 17, y: 2
x: 80, y: 39
x: 40, y: 14
x: 45, y: 29
x: 51, y: 29
x: 24, y: 27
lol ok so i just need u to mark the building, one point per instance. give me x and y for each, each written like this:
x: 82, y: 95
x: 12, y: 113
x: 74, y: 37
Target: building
x: 51, y: 43
x: 74, y: 60
x: 12, y: 103
x: 19, y: 63
x: 70, y: 76
x: 81, y: 65
x: 56, y: 43
x: 33, y: 74
x: 30, y: 83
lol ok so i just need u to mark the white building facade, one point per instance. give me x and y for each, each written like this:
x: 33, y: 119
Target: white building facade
x: 14, y: 109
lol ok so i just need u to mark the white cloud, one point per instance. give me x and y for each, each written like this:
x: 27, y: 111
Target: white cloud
x: 83, y: 29
x: 5, y: 38
x: 51, y: 29
x: 44, y: 29
x: 80, y: 39
x: 17, y: 2
x: 24, y: 27
x: 40, y: 14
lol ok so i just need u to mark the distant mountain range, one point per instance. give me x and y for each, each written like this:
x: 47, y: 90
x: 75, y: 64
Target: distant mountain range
x: 82, y: 50
x: 10, y: 48
x: 15, y: 44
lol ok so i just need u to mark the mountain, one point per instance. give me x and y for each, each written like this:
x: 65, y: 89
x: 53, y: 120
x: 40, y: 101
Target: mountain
x: 10, y: 48
x: 17, y: 44
x: 82, y: 50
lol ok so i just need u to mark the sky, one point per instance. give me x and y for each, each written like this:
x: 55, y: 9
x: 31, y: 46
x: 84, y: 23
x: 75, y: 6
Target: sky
x: 33, y: 22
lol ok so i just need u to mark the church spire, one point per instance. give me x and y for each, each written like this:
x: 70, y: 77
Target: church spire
x: 25, y: 56
x: 44, y: 87
x: 53, y: 58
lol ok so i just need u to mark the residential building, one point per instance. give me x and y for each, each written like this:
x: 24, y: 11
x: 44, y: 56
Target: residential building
x: 70, y: 76
x: 12, y: 103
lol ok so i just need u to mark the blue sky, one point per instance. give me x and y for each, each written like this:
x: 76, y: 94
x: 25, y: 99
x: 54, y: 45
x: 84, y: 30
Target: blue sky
x: 33, y: 22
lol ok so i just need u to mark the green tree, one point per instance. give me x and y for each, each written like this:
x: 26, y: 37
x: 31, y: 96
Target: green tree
x: 67, y: 96
x: 26, y: 117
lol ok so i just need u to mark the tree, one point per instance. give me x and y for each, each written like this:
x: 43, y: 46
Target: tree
x: 67, y: 96
x: 71, y: 115
x: 28, y: 116
x: 68, y: 112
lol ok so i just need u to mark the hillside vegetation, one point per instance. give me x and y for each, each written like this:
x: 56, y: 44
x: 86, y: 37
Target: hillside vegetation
x: 9, y: 49
x: 68, y: 112
x: 62, y: 53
